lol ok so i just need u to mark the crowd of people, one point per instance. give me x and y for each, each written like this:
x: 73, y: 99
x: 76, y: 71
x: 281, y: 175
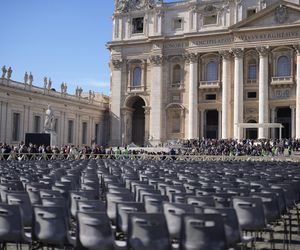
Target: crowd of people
x: 211, y: 147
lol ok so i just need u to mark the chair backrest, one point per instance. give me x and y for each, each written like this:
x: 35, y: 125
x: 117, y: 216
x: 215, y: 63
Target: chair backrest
x: 57, y: 201
x: 11, y: 223
x: 91, y: 206
x: 23, y: 201
x: 147, y: 232
x: 203, y: 232
x: 153, y: 203
x: 49, y: 193
x: 94, y: 231
x: 201, y: 201
x: 50, y: 225
x: 250, y: 212
x: 125, y: 208
x: 79, y: 195
x: 173, y: 213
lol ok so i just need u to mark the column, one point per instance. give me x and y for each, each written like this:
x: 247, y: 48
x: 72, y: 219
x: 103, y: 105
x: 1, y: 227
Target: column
x: 293, y: 116
x: 3, y: 122
x: 263, y: 114
x: 202, y: 112
x: 156, y: 100
x: 297, y: 132
x: 273, y: 119
x: 219, y: 124
x: 115, y: 110
x: 225, y: 122
x: 238, y: 107
x: 193, y: 96
x: 147, y: 123
x: 127, y: 136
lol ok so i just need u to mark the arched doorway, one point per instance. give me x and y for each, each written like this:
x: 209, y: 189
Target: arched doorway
x: 251, y: 133
x: 284, y: 116
x: 212, y: 124
x: 138, y: 121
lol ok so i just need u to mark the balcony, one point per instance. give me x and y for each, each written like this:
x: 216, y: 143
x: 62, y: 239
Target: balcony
x: 210, y: 85
x: 251, y: 81
x: 140, y: 88
x: 176, y: 85
x: 282, y: 80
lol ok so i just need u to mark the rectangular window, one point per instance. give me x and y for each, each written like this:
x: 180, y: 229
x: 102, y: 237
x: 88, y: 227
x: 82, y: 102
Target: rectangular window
x: 251, y: 12
x: 16, y: 127
x: 178, y: 23
x: 70, y: 131
x: 138, y: 25
x: 37, y: 124
x: 84, y: 133
x: 207, y: 20
x: 252, y: 95
x: 252, y: 72
x: 210, y: 97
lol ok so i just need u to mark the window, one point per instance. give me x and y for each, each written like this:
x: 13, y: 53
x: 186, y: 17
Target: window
x: 178, y: 23
x: 251, y: 12
x: 37, y: 124
x: 70, y: 131
x: 137, y: 77
x: 252, y: 70
x: 212, y: 71
x: 84, y: 133
x: 283, y: 66
x: 137, y: 25
x: 176, y: 74
x: 210, y: 97
x: 16, y: 127
x: 251, y: 95
x: 176, y: 123
x: 207, y: 20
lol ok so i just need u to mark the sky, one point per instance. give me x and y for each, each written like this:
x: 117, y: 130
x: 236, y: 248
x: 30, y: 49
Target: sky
x: 61, y: 39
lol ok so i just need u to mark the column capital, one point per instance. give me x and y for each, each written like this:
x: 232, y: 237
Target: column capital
x: 190, y: 57
x: 237, y: 52
x: 156, y: 60
x: 225, y: 54
x: 117, y: 64
x: 263, y: 51
x: 297, y: 48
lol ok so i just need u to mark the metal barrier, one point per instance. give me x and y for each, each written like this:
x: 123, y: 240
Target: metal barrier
x: 14, y: 156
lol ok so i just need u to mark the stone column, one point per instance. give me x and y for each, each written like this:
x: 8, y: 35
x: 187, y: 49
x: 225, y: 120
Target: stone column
x: 156, y: 100
x: 293, y: 116
x: 273, y: 117
x: 127, y: 127
x: 147, y: 123
x: 297, y: 133
x: 238, y: 107
x: 193, y: 96
x: 202, y: 123
x: 220, y: 115
x: 3, y: 122
x: 115, y: 110
x: 263, y: 114
x: 225, y: 122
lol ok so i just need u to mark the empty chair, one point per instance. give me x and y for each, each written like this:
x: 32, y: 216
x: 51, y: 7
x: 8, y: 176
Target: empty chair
x: 201, y: 201
x: 170, y: 190
x: 50, y: 226
x: 48, y: 193
x: 57, y: 201
x: 91, y: 206
x: 153, y: 203
x: 147, y: 232
x: 123, y: 209
x: 173, y: 213
x: 143, y: 192
x: 94, y: 231
x: 11, y: 225
x: 203, y: 232
x: 223, y: 199
x: 79, y: 195
x: 23, y: 201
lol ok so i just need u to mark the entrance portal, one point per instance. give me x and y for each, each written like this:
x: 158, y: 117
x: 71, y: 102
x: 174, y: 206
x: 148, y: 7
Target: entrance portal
x: 284, y: 116
x: 138, y: 122
x: 212, y: 124
x: 251, y: 133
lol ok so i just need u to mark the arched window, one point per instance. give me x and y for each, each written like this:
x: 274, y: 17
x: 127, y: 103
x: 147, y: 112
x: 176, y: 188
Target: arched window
x: 283, y: 66
x: 137, y: 77
x: 252, y: 70
x: 177, y: 74
x: 212, y: 71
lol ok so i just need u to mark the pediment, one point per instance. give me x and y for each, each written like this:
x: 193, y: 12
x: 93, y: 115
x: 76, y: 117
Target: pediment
x: 279, y: 14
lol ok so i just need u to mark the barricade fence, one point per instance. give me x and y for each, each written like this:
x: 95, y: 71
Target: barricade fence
x: 14, y: 156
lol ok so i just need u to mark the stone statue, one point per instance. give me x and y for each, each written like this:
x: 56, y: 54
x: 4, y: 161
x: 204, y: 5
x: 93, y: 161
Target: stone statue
x: 45, y: 82
x: 128, y: 5
x: 49, y: 84
x: 80, y: 91
x: 90, y: 95
x: 49, y: 120
x: 77, y: 91
x: 4, y: 70
x: 66, y: 88
x: 30, y: 79
x: 62, y: 88
x: 26, y: 78
x: 9, y: 73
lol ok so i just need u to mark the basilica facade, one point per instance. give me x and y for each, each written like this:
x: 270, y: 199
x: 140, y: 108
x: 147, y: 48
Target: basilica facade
x: 195, y: 68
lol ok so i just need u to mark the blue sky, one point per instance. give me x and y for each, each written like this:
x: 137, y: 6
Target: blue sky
x: 61, y: 39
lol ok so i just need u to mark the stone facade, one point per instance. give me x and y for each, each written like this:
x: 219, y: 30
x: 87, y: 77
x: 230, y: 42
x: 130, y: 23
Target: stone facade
x: 192, y: 69
x: 79, y: 119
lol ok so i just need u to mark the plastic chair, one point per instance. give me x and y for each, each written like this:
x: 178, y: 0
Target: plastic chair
x: 111, y: 200
x: 153, y: 203
x: 91, y: 206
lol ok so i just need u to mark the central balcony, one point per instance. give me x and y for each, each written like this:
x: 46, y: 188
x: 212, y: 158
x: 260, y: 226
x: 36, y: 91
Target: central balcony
x: 209, y: 85
x: 282, y: 80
